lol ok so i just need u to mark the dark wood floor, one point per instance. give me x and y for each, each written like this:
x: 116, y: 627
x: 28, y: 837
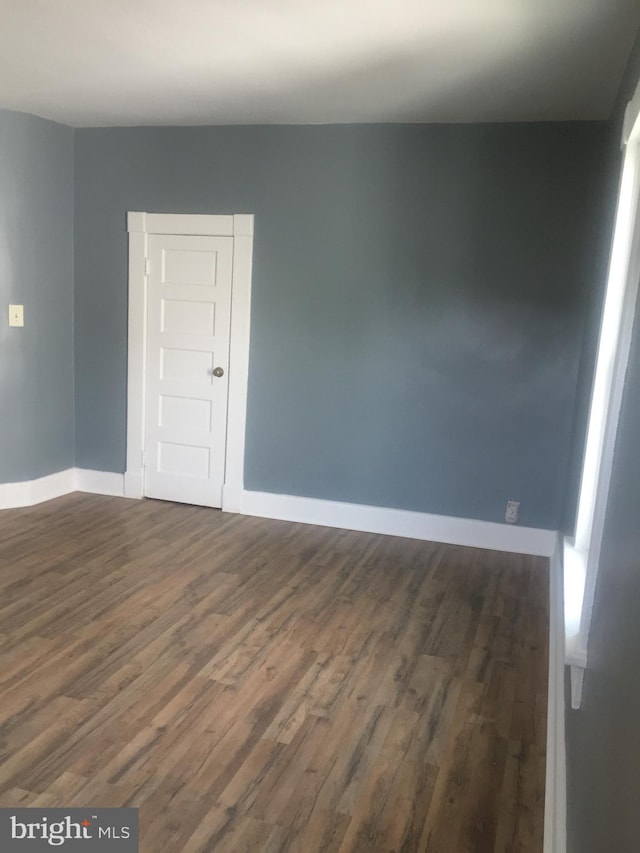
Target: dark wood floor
x: 261, y: 686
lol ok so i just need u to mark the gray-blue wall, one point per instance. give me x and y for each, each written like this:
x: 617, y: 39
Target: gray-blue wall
x: 36, y: 269
x: 418, y: 301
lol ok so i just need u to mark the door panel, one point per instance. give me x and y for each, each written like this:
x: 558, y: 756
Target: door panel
x: 196, y: 318
x: 176, y: 412
x: 188, y: 322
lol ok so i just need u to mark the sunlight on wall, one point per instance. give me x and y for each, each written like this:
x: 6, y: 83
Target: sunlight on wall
x: 582, y: 556
x: 608, y: 345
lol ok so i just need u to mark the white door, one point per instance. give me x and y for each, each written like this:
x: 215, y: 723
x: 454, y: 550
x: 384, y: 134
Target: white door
x: 188, y: 325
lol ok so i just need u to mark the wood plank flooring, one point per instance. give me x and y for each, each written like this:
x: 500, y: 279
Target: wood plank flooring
x: 259, y: 686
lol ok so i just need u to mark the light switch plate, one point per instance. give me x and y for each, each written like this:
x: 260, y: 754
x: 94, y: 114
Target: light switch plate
x: 16, y: 315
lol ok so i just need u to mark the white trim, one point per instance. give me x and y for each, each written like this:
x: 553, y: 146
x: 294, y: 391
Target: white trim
x: 577, y: 682
x: 369, y: 519
x: 16, y: 494
x: 232, y: 498
x: 134, y: 484
x: 99, y: 482
x: 32, y: 492
x: 240, y: 227
x: 206, y: 225
x: 136, y: 356
x: 51, y: 486
x: 238, y: 356
x: 576, y: 657
x: 555, y: 799
x: 397, y: 522
x: 574, y: 571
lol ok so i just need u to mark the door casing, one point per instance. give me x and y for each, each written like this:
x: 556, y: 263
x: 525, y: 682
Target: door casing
x: 239, y: 226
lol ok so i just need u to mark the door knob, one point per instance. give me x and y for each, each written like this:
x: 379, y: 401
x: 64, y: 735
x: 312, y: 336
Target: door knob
x: 218, y: 371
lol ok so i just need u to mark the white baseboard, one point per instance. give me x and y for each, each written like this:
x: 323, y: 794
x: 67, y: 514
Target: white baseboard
x: 31, y: 492
x: 15, y: 494
x: 396, y: 522
x: 134, y: 484
x: 555, y: 806
x: 232, y: 496
x: 99, y: 482
x: 47, y: 488
x: 369, y: 519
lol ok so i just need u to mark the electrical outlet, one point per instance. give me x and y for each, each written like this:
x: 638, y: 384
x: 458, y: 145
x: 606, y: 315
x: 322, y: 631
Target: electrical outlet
x: 512, y: 512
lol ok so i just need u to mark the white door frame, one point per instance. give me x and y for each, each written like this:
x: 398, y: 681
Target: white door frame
x: 240, y: 227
